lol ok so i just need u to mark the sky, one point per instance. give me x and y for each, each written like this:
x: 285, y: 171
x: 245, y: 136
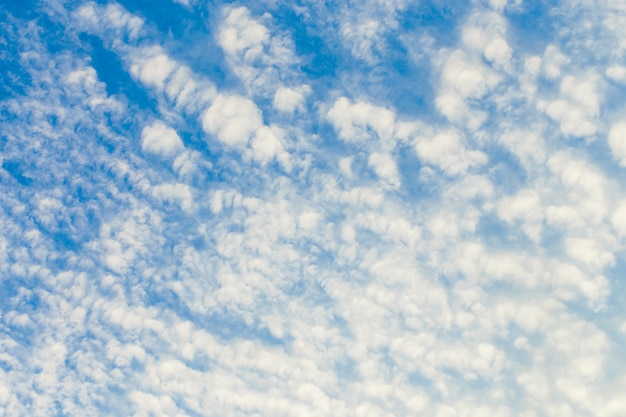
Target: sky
x: 372, y: 208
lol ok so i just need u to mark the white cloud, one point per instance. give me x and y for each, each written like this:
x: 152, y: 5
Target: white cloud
x: 363, y: 27
x: 446, y: 151
x: 499, y: 52
x: 588, y: 253
x: 485, y: 33
x: 553, y: 61
x: 352, y: 120
x: 289, y: 100
x: 110, y: 17
x: 365, y: 38
x: 576, y: 112
x: 197, y: 282
x: 385, y: 167
x: 266, y: 146
x: 618, y: 219
x: 232, y: 119
x: 617, y: 142
x: 586, y: 184
x: 160, y: 139
x: 529, y: 147
x: 616, y: 73
x: 153, y: 70
x: 177, y: 193
x: 308, y: 220
x: 466, y: 76
x: 242, y: 35
x: 262, y: 59
x: 526, y: 207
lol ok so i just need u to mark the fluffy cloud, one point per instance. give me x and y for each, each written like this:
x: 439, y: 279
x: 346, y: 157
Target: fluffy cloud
x: 161, y: 139
x: 232, y: 119
x: 446, y: 151
x: 289, y: 99
x: 322, y: 243
x: 261, y: 59
x: 617, y: 142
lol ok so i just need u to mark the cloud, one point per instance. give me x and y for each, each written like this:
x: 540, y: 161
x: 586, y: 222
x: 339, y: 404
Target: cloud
x: 266, y: 145
x: 161, y: 140
x: 232, y: 119
x: 149, y: 63
x: 288, y: 99
x: 617, y: 142
x: 321, y: 242
x: 577, y: 112
x: 385, y: 167
x: 353, y: 121
x: 363, y: 27
x: 526, y: 207
x: 178, y: 193
x: 446, y: 151
x: 262, y: 59
x: 616, y: 73
x: 111, y: 17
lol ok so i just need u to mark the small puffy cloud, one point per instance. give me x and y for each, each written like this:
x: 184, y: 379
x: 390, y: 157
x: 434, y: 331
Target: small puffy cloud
x: 446, y: 151
x: 289, y: 100
x: 573, y: 120
x: 385, y: 167
x: 618, y: 219
x: 162, y: 140
x: 261, y: 57
x: 84, y: 77
x: 499, y: 5
x: 454, y: 107
x: 577, y: 107
x: 466, y: 76
x: 485, y: 34
x: 586, y: 186
x: 179, y: 194
x: 110, y: 17
x: 352, y: 120
x: 464, y: 79
x: 364, y: 37
x: 364, y: 26
x: 617, y: 142
x: 266, y: 145
x: 589, y: 253
x: 153, y: 70
x: 232, y: 119
x: 242, y: 36
x: 616, y: 73
x: 153, y: 67
x: 529, y: 147
x: 553, y: 61
x: 525, y: 207
x: 499, y: 52
x: 308, y: 220
x: 582, y: 91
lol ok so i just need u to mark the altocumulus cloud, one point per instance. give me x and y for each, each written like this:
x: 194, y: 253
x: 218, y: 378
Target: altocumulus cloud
x: 391, y: 208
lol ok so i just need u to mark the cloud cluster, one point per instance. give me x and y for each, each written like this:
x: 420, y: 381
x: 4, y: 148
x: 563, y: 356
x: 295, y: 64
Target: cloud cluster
x: 288, y: 244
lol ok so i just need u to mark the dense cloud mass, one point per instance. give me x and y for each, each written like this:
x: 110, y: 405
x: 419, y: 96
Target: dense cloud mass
x: 372, y: 208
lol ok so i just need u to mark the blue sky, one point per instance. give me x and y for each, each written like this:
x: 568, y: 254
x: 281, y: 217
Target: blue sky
x: 373, y: 208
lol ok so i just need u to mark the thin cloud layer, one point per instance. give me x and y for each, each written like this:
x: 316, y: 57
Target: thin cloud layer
x: 377, y: 209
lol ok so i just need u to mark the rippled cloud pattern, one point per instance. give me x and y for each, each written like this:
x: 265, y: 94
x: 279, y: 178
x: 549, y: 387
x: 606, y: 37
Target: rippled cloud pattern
x: 374, y: 208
